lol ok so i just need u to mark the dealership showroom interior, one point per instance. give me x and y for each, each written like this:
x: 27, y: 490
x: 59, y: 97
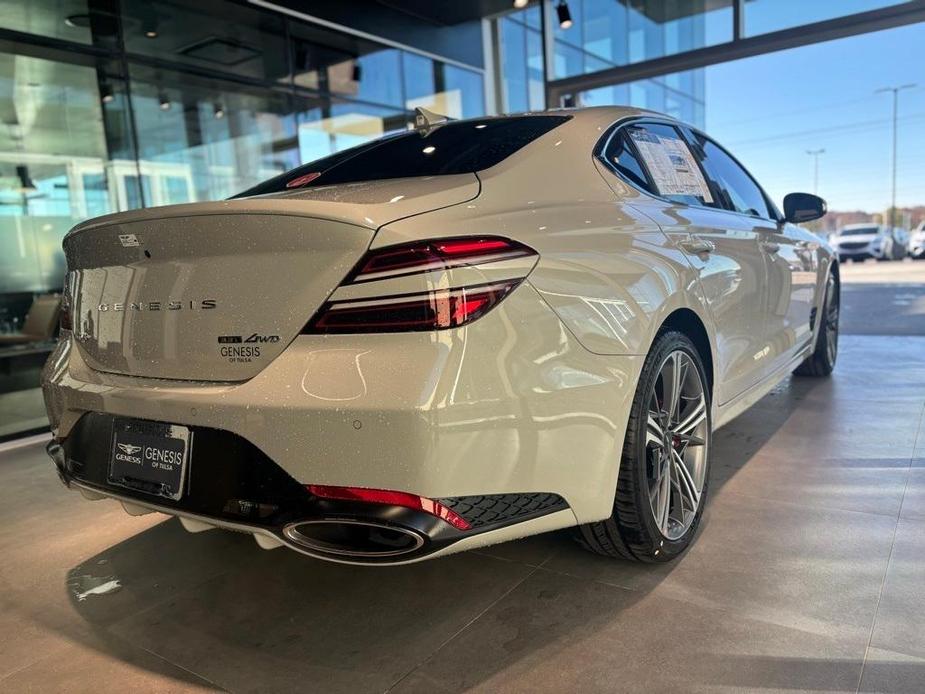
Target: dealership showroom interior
x: 462, y: 345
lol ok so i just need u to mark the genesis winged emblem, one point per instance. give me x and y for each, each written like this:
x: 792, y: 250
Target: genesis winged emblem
x: 128, y: 448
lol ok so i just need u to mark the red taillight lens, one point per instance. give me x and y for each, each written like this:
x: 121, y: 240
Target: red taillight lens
x: 437, y: 310
x: 427, y: 256
x: 384, y: 496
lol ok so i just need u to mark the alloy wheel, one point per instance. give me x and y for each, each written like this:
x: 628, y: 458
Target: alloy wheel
x: 831, y: 319
x: 677, y: 439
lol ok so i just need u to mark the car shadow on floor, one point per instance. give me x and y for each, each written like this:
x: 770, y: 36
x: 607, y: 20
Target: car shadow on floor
x: 216, y: 605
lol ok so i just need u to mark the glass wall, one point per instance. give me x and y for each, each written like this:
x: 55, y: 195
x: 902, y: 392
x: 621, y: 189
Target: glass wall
x: 63, y: 142
x: 608, y: 33
x: 519, y: 41
x: 163, y: 102
x: 681, y: 95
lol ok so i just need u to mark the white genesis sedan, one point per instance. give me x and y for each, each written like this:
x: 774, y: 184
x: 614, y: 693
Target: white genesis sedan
x: 453, y: 336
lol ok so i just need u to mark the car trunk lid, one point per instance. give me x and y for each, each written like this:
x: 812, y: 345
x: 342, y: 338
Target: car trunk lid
x: 215, y: 291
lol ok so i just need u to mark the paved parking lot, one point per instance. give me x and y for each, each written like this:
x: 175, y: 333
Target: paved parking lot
x: 884, y: 298
x: 808, y: 574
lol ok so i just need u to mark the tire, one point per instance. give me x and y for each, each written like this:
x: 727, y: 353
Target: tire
x: 632, y: 531
x: 822, y: 361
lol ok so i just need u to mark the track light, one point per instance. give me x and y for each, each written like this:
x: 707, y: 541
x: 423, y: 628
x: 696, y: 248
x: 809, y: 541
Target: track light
x: 163, y: 101
x: 149, y: 22
x: 26, y: 185
x: 520, y: 4
x: 565, y: 17
x: 106, y: 95
x: 219, y: 110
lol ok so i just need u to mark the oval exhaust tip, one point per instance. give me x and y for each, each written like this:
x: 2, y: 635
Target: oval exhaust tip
x: 354, y: 538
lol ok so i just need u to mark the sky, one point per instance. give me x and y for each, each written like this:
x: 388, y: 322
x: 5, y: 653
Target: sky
x: 769, y: 110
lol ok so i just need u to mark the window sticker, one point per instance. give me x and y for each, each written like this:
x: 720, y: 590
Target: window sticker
x: 671, y: 164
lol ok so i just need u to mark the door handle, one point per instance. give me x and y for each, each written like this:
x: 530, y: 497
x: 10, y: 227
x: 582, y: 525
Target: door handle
x: 770, y: 246
x: 697, y: 245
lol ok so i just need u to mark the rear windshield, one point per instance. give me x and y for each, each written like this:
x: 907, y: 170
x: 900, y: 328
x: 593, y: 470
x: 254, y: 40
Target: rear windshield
x: 453, y: 148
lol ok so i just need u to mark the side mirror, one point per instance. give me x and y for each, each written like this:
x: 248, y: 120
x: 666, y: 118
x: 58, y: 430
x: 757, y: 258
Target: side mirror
x: 803, y: 207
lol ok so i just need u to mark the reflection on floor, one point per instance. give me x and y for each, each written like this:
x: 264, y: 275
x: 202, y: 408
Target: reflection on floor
x: 807, y: 574
x: 21, y: 404
x: 22, y: 410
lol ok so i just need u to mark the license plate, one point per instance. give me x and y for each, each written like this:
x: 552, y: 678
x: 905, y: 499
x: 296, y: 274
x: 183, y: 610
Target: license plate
x: 150, y: 457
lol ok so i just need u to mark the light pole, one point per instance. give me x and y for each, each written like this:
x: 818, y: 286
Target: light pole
x: 895, y: 91
x: 814, y: 153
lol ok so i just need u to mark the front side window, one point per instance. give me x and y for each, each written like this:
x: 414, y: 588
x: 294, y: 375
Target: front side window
x: 739, y: 191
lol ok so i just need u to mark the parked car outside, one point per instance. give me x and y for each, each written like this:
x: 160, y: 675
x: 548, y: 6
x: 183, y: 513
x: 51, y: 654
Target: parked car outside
x: 862, y: 241
x: 917, y: 242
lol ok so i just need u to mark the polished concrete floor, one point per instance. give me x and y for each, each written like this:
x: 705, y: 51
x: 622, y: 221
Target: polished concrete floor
x: 808, y: 574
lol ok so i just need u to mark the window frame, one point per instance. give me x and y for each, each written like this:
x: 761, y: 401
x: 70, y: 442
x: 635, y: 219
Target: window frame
x: 686, y: 132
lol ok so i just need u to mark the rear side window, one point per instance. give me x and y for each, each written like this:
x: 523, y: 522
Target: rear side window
x: 620, y: 155
x: 731, y: 181
x: 664, y: 160
x: 454, y: 148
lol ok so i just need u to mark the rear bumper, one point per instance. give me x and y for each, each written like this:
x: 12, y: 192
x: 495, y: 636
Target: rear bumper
x: 511, y: 404
x: 235, y: 486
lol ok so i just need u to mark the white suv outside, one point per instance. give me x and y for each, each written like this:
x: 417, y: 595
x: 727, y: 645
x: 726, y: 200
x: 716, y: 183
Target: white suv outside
x: 917, y: 242
x: 863, y: 241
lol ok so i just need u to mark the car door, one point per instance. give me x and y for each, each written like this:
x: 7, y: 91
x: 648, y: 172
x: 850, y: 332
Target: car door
x: 721, y: 246
x: 789, y: 254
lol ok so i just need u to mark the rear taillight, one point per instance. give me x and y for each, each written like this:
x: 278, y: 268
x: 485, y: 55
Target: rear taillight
x: 428, y: 256
x: 391, y: 498
x: 434, y: 309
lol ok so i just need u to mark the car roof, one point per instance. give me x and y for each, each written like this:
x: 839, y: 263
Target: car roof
x: 598, y: 113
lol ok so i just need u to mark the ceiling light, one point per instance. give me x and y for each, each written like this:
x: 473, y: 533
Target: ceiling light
x: 520, y: 4
x: 106, y: 95
x: 562, y: 12
x: 78, y: 21
x: 163, y: 101
x: 219, y: 110
x: 149, y: 22
x: 429, y: 149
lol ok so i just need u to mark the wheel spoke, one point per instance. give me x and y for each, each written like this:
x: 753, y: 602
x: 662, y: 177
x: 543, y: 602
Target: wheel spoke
x: 673, y: 373
x: 692, y: 420
x: 655, y: 435
x: 686, y: 485
x: 663, y: 511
